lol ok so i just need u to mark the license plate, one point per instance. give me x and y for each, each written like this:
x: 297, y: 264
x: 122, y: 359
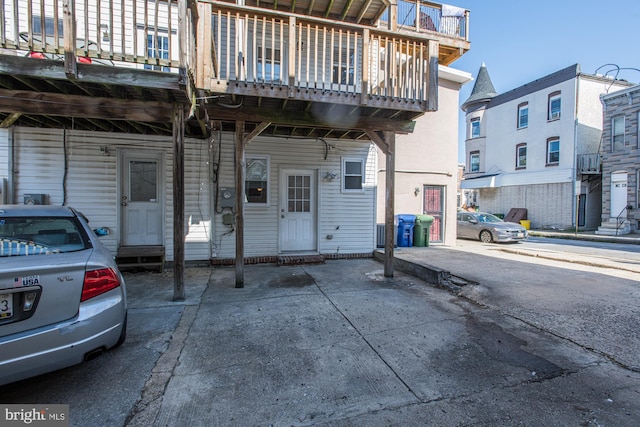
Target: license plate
x: 520, y: 235
x: 6, y: 306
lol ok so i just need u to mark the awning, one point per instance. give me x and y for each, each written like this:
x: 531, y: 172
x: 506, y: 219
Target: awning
x: 487, y: 181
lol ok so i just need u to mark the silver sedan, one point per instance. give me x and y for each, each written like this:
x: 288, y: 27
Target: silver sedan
x: 488, y: 228
x: 62, y: 297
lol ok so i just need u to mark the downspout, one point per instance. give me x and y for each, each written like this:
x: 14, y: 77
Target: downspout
x: 574, y: 169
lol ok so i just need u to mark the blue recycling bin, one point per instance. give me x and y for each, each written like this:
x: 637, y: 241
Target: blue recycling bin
x: 405, y: 224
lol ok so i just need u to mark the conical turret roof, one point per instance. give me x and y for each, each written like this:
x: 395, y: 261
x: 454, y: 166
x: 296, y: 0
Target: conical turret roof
x: 483, y: 89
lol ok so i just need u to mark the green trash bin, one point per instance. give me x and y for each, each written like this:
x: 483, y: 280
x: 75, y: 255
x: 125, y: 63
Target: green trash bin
x: 421, y: 230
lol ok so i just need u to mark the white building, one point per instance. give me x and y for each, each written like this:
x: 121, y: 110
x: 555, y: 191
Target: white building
x: 536, y: 147
x: 427, y: 163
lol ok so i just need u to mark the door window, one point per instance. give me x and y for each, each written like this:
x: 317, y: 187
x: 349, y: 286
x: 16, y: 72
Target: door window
x: 143, y: 181
x: 299, y: 193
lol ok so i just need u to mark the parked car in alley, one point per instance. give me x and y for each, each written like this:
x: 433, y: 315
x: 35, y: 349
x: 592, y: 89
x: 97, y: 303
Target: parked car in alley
x: 62, y: 297
x: 488, y: 228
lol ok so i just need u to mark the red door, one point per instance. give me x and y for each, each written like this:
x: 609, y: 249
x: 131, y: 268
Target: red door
x: 434, y: 206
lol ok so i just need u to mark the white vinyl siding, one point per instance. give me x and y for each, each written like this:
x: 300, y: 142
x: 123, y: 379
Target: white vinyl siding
x: 348, y: 217
x: 4, y: 153
x: 91, y: 181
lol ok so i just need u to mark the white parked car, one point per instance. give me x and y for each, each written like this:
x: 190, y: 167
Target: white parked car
x: 62, y: 297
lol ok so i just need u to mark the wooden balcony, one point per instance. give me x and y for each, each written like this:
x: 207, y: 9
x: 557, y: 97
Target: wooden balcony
x: 318, y: 68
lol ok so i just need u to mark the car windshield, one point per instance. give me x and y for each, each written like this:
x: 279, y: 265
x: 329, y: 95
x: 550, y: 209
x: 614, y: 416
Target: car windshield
x: 23, y: 236
x: 488, y: 218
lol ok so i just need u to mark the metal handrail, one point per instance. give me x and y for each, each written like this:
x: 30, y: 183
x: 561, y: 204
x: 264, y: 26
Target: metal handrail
x: 619, y: 219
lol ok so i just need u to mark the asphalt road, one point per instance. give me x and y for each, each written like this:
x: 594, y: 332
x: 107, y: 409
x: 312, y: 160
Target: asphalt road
x: 585, y: 292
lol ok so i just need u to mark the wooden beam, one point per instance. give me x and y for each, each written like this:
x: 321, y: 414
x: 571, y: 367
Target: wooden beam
x: 300, y: 118
x: 52, y: 104
x: 90, y: 73
x: 257, y: 131
x: 178, y: 203
x: 240, y: 204
x: 9, y: 120
x: 378, y: 140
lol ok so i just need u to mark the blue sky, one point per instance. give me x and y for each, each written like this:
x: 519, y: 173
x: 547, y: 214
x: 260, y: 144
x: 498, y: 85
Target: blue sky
x: 520, y: 41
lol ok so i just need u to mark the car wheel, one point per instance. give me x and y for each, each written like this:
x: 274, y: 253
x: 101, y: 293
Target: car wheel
x: 123, y: 333
x: 485, y: 236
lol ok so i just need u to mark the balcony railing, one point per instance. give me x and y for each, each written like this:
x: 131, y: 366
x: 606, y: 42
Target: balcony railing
x: 251, y: 45
x: 240, y: 44
x: 589, y: 163
x: 127, y: 32
x: 423, y: 16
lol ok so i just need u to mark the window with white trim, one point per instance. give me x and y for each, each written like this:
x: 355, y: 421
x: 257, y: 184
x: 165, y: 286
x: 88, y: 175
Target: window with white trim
x: 617, y: 133
x: 268, y: 66
x: 475, y: 128
x: 521, y: 156
x: 523, y: 115
x: 554, y: 106
x: 256, y: 181
x: 352, y: 174
x: 553, y: 151
x: 157, y: 47
x: 474, y: 161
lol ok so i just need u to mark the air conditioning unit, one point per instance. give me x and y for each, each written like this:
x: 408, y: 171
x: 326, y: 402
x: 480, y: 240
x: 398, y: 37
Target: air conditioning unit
x: 555, y: 115
x: 35, y: 199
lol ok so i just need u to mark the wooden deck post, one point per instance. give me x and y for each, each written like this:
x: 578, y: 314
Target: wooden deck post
x: 240, y: 204
x: 69, y: 19
x: 178, y: 202
x: 389, y: 223
x: 432, y: 76
x: 386, y: 142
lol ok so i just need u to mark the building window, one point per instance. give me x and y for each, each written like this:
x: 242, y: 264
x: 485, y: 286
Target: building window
x: 638, y: 130
x: 638, y: 190
x: 523, y: 115
x: 617, y: 133
x: 342, y: 69
x: 475, y: 127
x: 352, y: 174
x: 268, y: 67
x: 157, y: 47
x: 554, y: 106
x: 256, y: 182
x: 521, y: 156
x: 474, y: 161
x: 553, y: 151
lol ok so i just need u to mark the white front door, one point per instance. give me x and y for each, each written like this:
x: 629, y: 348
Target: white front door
x: 618, y: 193
x: 298, y: 217
x: 141, y: 200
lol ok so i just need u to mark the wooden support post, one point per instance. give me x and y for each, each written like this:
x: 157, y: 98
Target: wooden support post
x: 69, y: 19
x: 178, y: 203
x: 389, y: 223
x: 292, y: 54
x: 387, y: 144
x: 432, y: 76
x: 240, y: 204
x: 366, y: 55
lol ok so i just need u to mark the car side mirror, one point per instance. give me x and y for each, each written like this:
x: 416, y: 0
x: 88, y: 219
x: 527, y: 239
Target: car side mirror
x: 473, y: 221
